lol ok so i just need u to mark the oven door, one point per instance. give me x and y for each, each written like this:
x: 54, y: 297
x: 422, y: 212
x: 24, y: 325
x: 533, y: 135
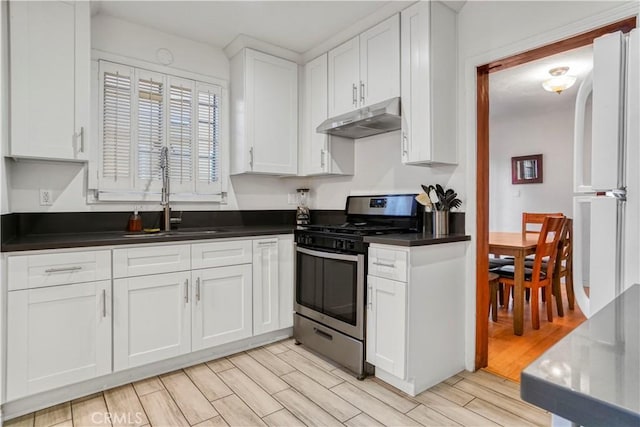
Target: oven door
x: 330, y: 289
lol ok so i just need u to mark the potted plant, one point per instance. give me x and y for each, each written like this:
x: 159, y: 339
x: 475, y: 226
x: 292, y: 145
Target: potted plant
x: 438, y: 202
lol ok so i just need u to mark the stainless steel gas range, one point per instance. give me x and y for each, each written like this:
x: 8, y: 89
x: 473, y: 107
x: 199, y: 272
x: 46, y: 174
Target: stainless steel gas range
x: 331, y: 271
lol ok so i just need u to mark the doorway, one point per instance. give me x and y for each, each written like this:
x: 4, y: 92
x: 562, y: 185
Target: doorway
x: 483, y: 165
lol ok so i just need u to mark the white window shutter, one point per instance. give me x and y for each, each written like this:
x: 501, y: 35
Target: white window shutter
x: 208, y: 139
x: 115, y: 167
x: 151, y: 129
x: 181, y: 135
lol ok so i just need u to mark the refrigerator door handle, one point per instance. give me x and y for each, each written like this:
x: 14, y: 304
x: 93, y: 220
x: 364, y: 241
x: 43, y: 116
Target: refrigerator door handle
x: 579, y: 141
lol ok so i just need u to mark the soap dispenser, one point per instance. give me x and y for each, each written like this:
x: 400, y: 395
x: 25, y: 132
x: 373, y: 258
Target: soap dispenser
x: 135, y: 221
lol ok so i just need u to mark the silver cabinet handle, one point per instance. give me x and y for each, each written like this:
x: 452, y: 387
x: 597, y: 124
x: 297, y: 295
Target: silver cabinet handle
x: 104, y: 303
x: 63, y: 269
x: 361, y: 92
x: 186, y: 291
x: 251, y: 157
x: 82, y: 139
x: 270, y: 242
x: 354, y: 95
x: 405, y: 149
x: 322, y: 160
x: 382, y: 264
x: 369, y: 297
x: 198, y: 289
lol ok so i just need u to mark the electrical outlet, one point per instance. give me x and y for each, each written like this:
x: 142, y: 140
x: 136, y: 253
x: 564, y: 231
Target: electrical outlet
x: 46, y: 197
x: 292, y: 198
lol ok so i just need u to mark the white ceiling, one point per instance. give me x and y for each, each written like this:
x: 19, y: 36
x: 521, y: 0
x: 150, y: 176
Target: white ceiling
x: 519, y: 89
x: 294, y: 25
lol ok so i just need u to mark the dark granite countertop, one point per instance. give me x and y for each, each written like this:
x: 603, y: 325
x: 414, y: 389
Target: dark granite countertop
x: 415, y: 239
x: 77, y: 240
x: 592, y: 376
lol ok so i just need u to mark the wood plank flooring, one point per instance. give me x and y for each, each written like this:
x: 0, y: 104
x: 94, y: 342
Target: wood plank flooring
x: 287, y: 385
x: 509, y: 354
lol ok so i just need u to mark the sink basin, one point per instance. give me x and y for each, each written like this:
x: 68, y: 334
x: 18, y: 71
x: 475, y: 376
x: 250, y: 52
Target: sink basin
x: 186, y: 232
x: 159, y: 234
x: 194, y: 232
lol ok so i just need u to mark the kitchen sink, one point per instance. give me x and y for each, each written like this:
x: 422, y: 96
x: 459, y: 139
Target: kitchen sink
x: 186, y: 232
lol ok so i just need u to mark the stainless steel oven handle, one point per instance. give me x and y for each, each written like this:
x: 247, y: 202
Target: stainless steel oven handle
x: 329, y: 255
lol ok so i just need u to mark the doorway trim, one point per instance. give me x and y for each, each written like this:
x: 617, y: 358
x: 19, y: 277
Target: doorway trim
x: 482, y: 163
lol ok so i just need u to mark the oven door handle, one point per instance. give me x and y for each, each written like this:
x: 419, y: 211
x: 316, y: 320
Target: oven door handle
x: 329, y: 255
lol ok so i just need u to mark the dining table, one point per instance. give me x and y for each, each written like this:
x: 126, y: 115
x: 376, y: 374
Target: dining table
x: 518, y: 246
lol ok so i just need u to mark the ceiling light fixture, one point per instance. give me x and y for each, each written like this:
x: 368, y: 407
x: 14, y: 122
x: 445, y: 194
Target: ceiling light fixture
x: 559, y: 80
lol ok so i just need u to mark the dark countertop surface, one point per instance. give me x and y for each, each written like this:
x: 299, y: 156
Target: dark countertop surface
x: 77, y: 240
x: 415, y: 239
x: 592, y: 376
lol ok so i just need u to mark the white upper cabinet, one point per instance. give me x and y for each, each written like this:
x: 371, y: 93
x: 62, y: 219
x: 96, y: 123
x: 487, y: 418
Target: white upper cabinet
x: 264, y: 114
x: 428, y: 84
x: 344, y: 77
x: 366, y: 69
x: 380, y: 62
x: 50, y: 69
x: 321, y: 154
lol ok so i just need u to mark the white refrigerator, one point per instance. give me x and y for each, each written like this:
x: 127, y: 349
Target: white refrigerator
x: 606, y: 250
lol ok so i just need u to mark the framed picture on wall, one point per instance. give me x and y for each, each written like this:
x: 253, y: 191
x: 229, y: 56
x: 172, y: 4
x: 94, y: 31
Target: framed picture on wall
x: 526, y: 169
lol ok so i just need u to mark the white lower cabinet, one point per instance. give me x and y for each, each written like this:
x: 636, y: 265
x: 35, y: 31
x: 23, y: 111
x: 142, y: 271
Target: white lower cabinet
x: 57, y: 336
x: 266, y: 294
x: 221, y: 305
x: 286, y: 262
x: 61, y: 332
x: 152, y: 318
x: 415, y: 326
x: 386, y: 324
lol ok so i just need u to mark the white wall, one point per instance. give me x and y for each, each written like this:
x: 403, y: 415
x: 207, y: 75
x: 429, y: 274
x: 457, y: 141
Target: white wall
x: 547, y: 132
x: 378, y: 170
x: 491, y: 30
x: 68, y: 181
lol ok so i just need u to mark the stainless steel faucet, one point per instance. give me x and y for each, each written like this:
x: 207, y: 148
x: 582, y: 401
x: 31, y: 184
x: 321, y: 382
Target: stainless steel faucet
x: 164, y: 169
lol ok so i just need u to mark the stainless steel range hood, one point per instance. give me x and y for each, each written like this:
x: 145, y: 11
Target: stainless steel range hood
x: 372, y: 120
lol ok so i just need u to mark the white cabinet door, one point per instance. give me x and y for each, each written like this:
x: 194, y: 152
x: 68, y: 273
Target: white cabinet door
x: 286, y: 278
x: 152, y: 319
x: 56, y: 336
x: 316, y: 103
x: 428, y: 59
x: 344, y: 77
x: 271, y: 114
x: 222, y: 305
x: 386, y: 325
x: 265, y: 286
x: 380, y: 62
x: 50, y: 48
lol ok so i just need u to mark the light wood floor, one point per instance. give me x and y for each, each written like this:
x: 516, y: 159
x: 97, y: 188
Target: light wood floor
x: 285, y: 385
x: 509, y: 354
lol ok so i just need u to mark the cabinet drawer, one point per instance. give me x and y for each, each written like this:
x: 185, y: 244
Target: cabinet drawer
x: 141, y: 261
x: 388, y: 264
x: 52, y: 269
x: 220, y: 254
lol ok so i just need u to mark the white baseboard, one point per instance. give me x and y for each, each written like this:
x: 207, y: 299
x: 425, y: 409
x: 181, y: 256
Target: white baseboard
x: 49, y: 398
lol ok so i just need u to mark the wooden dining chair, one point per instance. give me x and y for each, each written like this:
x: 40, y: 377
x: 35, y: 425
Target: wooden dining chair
x: 541, y: 275
x: 566, y: 267
x: 494, y: 280
x: 535, y: 219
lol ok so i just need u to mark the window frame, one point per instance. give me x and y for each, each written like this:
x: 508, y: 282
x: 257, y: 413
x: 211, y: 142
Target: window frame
x: 98, y: 192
